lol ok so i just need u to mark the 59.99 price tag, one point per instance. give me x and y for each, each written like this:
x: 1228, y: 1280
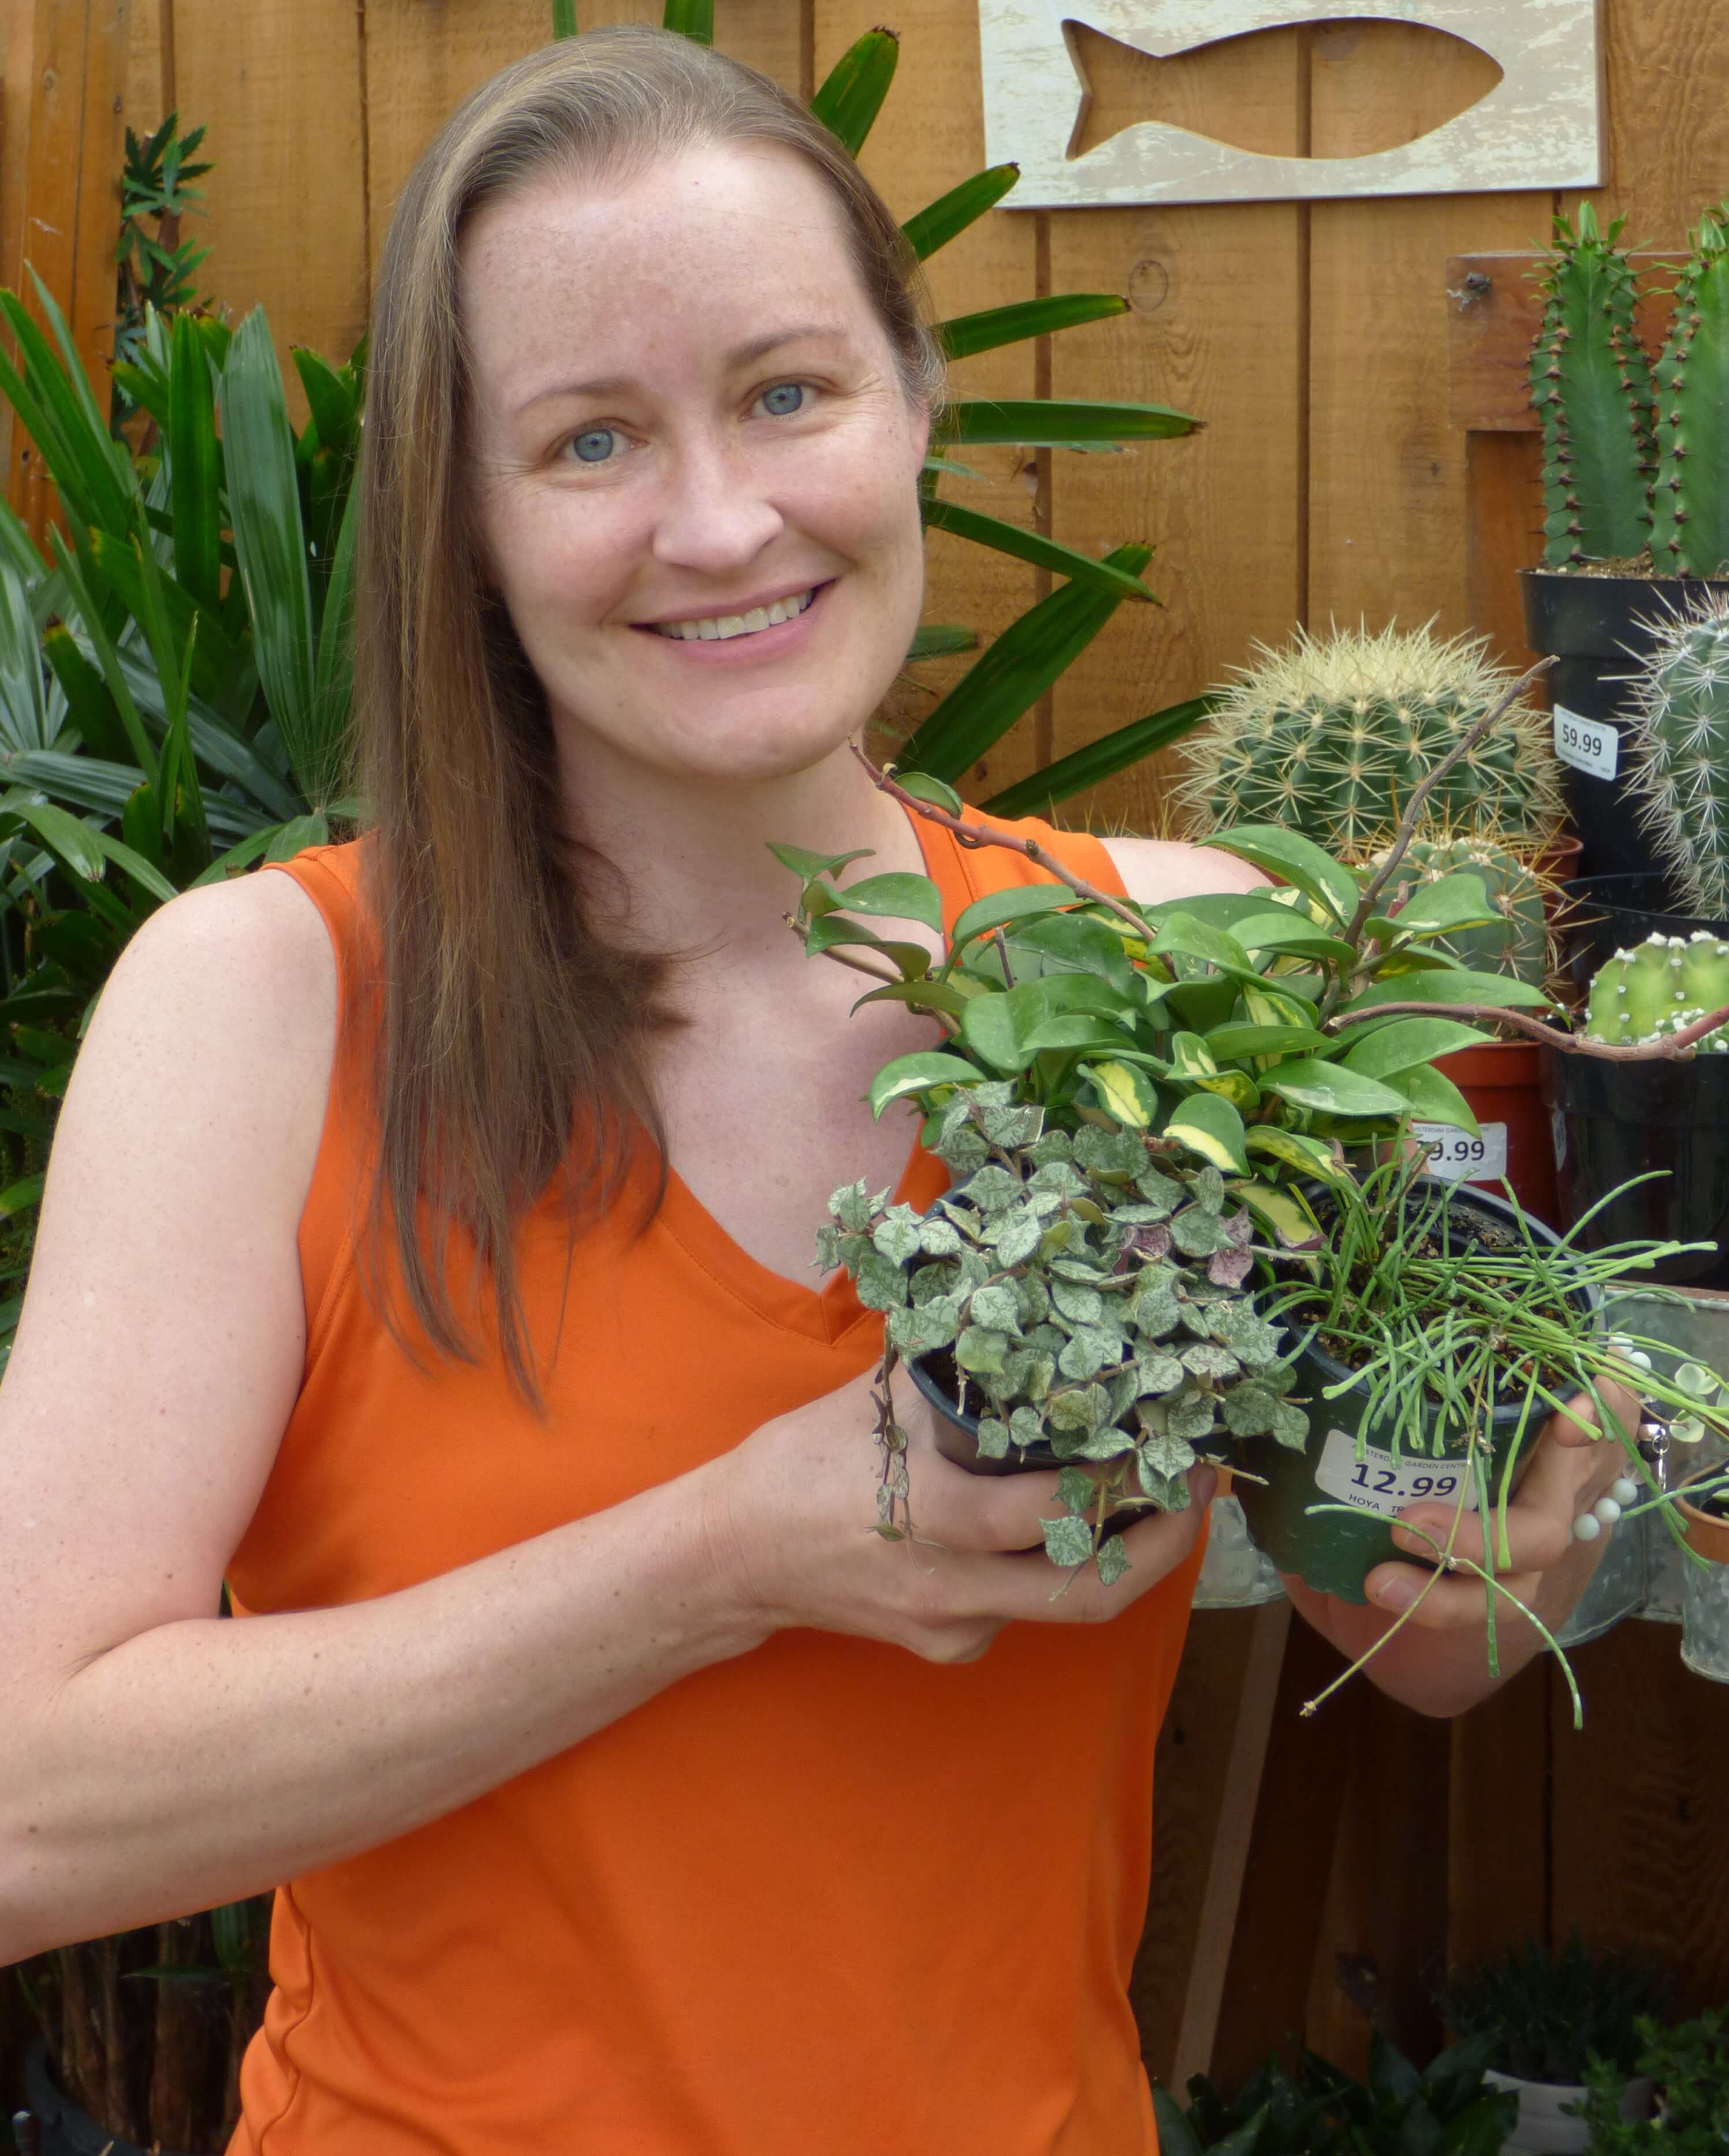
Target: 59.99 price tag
x: 1588, y: 745
x: 1457, y: 1158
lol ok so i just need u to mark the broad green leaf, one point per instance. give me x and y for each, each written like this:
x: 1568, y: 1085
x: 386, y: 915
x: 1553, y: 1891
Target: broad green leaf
x: 1081, y: 1034
x: 849, y: 100
x: 1177, y: 2137
x: 269, y: 542
x: 898, y: 896
x: 1031, y: 546
x: 1295, y: 860
x: 987, y: 1026
x: 334, y: 664
x: 1280, y: 930
x: 92, y: 472
x: 936, y: 640
x: 920, y: 993
x: 1212, y: 1127
x: 1449, y: 985
x: 1450, y: 901
x: 1332, y: 1090
x: 807, y: 867
x: 330, y: 398
x: 1100, y: 760
x: 1044, y: 423
x: 1180, y: 934
x: 18, y: 1196
x: 142, y: 873
x: 919, y: 1073
x: 194, y: 468
x: 1125, y: 1092
x: 963, y: 335
x: 923, y: 787
x: 295, y: 836
x: 1011, y: 676
x: 1435, y: 1099
x: 691, y: 18
x: 563, y: 19
x: 68, y: 838
x: 1270, y: 1006
x: 1293, y: 1149
x: 951, y: 214
x: 997, y: 908
x: 113, y: 674
x: 1227, y: 1044
x: 1285, y: 1211
x: 1406, y: 1042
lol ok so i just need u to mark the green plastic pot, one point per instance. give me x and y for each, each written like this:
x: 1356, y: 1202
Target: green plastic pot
x: 1331, y: 1551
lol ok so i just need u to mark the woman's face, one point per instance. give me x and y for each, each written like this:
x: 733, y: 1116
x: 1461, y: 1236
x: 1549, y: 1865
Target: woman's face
x: 695, y: 463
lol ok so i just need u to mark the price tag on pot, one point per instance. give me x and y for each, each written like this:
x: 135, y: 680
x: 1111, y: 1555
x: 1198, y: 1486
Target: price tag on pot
x: 1592, y: 745
x: 1457, y: 1158
x: 1378, y: 1483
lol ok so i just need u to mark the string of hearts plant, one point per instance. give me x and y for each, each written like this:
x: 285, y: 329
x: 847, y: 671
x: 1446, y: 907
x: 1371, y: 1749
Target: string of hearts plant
x: 1137, y: 1105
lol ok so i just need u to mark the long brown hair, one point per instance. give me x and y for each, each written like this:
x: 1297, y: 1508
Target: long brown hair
x: 513, y: 1032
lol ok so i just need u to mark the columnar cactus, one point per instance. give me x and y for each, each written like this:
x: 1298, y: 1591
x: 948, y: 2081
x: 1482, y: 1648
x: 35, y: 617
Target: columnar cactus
x: 1591, y: 384
x: 1659, y: 986
x: 1517, y: 943
x: 1690, y: 533
x: 1329, y: 735
x: 1681, y: 753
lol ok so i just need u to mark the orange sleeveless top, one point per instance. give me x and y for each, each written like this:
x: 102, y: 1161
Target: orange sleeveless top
x: 823, y: 1900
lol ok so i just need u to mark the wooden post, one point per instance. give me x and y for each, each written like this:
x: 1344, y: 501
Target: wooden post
x: 60, y: 161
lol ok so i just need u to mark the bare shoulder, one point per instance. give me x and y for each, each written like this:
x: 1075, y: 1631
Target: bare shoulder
x: 1153, y: 870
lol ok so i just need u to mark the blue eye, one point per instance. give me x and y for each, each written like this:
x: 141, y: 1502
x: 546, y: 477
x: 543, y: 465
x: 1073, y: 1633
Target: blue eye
x: 594, y: 445
x: 784, y: 400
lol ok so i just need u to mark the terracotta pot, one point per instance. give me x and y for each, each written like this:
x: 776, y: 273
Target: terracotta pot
x: 1560, y: 859
x: 1503, y: 1083
x: 1706, y: 1535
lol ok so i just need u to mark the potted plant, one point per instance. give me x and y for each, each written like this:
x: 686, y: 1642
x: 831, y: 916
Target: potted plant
x: 1689, y: 2067
x: 1322, y: 2111
x: 1546, y: 2016
x: 1637, y: 510
x: 1329, y: 735
x: 1147, y: 1111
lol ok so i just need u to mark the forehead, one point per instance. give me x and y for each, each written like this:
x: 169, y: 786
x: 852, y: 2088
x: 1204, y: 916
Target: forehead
x: 696, y: 247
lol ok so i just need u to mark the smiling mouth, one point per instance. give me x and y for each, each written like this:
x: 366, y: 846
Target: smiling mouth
x: 720, y: 628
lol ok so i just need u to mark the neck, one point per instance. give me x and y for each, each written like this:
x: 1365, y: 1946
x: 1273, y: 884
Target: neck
x: 691, y: 853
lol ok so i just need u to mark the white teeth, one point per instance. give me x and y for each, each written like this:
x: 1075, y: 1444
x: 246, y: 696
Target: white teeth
x: 715, y: 628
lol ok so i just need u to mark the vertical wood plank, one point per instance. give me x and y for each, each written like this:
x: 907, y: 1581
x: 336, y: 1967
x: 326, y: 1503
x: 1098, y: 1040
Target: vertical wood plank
x: 931, y: 137
x: 1668, y: 120
x: 1387, y: 500
x: 1498, y: 1831
x: 278, y: 84
x: 1216, y: 304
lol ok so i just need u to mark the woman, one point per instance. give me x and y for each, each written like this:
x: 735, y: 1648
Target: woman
x: 635, y: 1796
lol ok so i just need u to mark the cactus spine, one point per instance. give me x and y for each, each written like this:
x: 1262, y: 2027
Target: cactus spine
x: 1680, y: 744
x: 1517, y: 943
x: 1591, y: 384
x: 1689, y: 533
x: 1329, y: 735
x: 1659, y: 986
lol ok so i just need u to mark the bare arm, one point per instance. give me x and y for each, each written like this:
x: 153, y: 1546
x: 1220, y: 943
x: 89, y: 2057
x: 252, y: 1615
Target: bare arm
x: 158, y: 1760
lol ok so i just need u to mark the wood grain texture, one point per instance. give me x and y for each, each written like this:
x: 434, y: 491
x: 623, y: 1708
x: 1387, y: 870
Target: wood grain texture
x: 1498, y: 1835
x: 1668, y: 118
x: 929, y: 138
x: 1215, y: 330
x: 278, y: 82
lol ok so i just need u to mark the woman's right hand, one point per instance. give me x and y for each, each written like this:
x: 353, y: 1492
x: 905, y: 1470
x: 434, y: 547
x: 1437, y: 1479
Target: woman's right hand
x: 792, y: 1528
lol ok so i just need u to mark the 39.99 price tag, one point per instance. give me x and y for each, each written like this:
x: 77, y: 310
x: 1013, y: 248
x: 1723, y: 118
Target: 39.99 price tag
x: 1590, y: 745
x: 1377, y: 1482
x: 1457, y: 1158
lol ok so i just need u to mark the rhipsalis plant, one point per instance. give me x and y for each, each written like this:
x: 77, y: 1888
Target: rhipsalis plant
x: 1591, y: 384
x: 1679, y: 740
x: 1330, y: 735
x: 1689, y: 531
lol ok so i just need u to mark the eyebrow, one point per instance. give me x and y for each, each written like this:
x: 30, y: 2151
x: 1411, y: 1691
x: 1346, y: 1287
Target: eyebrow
x: 743, y: 355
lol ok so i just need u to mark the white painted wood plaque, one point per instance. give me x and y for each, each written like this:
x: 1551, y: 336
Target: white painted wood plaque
x: 1538, y: 127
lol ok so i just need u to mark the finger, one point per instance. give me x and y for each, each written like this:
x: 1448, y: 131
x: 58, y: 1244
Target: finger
x: 1581, y: 1422
x: 1535, y: 1537
x: 1443, y: 1602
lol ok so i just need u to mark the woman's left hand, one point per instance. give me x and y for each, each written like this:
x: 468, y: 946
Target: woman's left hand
x: 1571, y: 1466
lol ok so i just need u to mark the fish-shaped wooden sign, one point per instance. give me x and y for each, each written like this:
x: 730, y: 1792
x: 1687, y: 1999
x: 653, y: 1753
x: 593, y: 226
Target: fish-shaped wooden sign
x: 1538, y: 125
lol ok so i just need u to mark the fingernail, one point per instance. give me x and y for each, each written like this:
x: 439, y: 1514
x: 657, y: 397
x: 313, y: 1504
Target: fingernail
x: 1204, y: 1481
x: 1396, y: 1594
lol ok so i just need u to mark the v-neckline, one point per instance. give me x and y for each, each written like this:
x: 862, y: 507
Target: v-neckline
x: 831, y: 1310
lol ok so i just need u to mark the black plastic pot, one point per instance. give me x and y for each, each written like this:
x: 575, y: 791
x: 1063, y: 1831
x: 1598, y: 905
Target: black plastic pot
x: 67, y: 2131
x: 1615, y: 1120
x: 1293, y: 1505
x: 1597, y: 628
x: 1601, y: 915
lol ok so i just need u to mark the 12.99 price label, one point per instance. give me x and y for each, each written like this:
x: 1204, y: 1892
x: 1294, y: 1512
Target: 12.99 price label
x: 1588, y: 745
x: 1457, y: 1158
x: 1378, y: 1482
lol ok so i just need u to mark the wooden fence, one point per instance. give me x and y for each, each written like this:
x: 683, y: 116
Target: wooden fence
x: 1340, y: 476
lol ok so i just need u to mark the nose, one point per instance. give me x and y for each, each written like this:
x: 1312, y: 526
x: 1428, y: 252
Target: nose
x: 715, y: 514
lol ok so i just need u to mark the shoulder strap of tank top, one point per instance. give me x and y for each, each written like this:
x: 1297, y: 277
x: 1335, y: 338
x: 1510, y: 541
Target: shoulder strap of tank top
x: 330, y: 877
x: 962, y: 874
